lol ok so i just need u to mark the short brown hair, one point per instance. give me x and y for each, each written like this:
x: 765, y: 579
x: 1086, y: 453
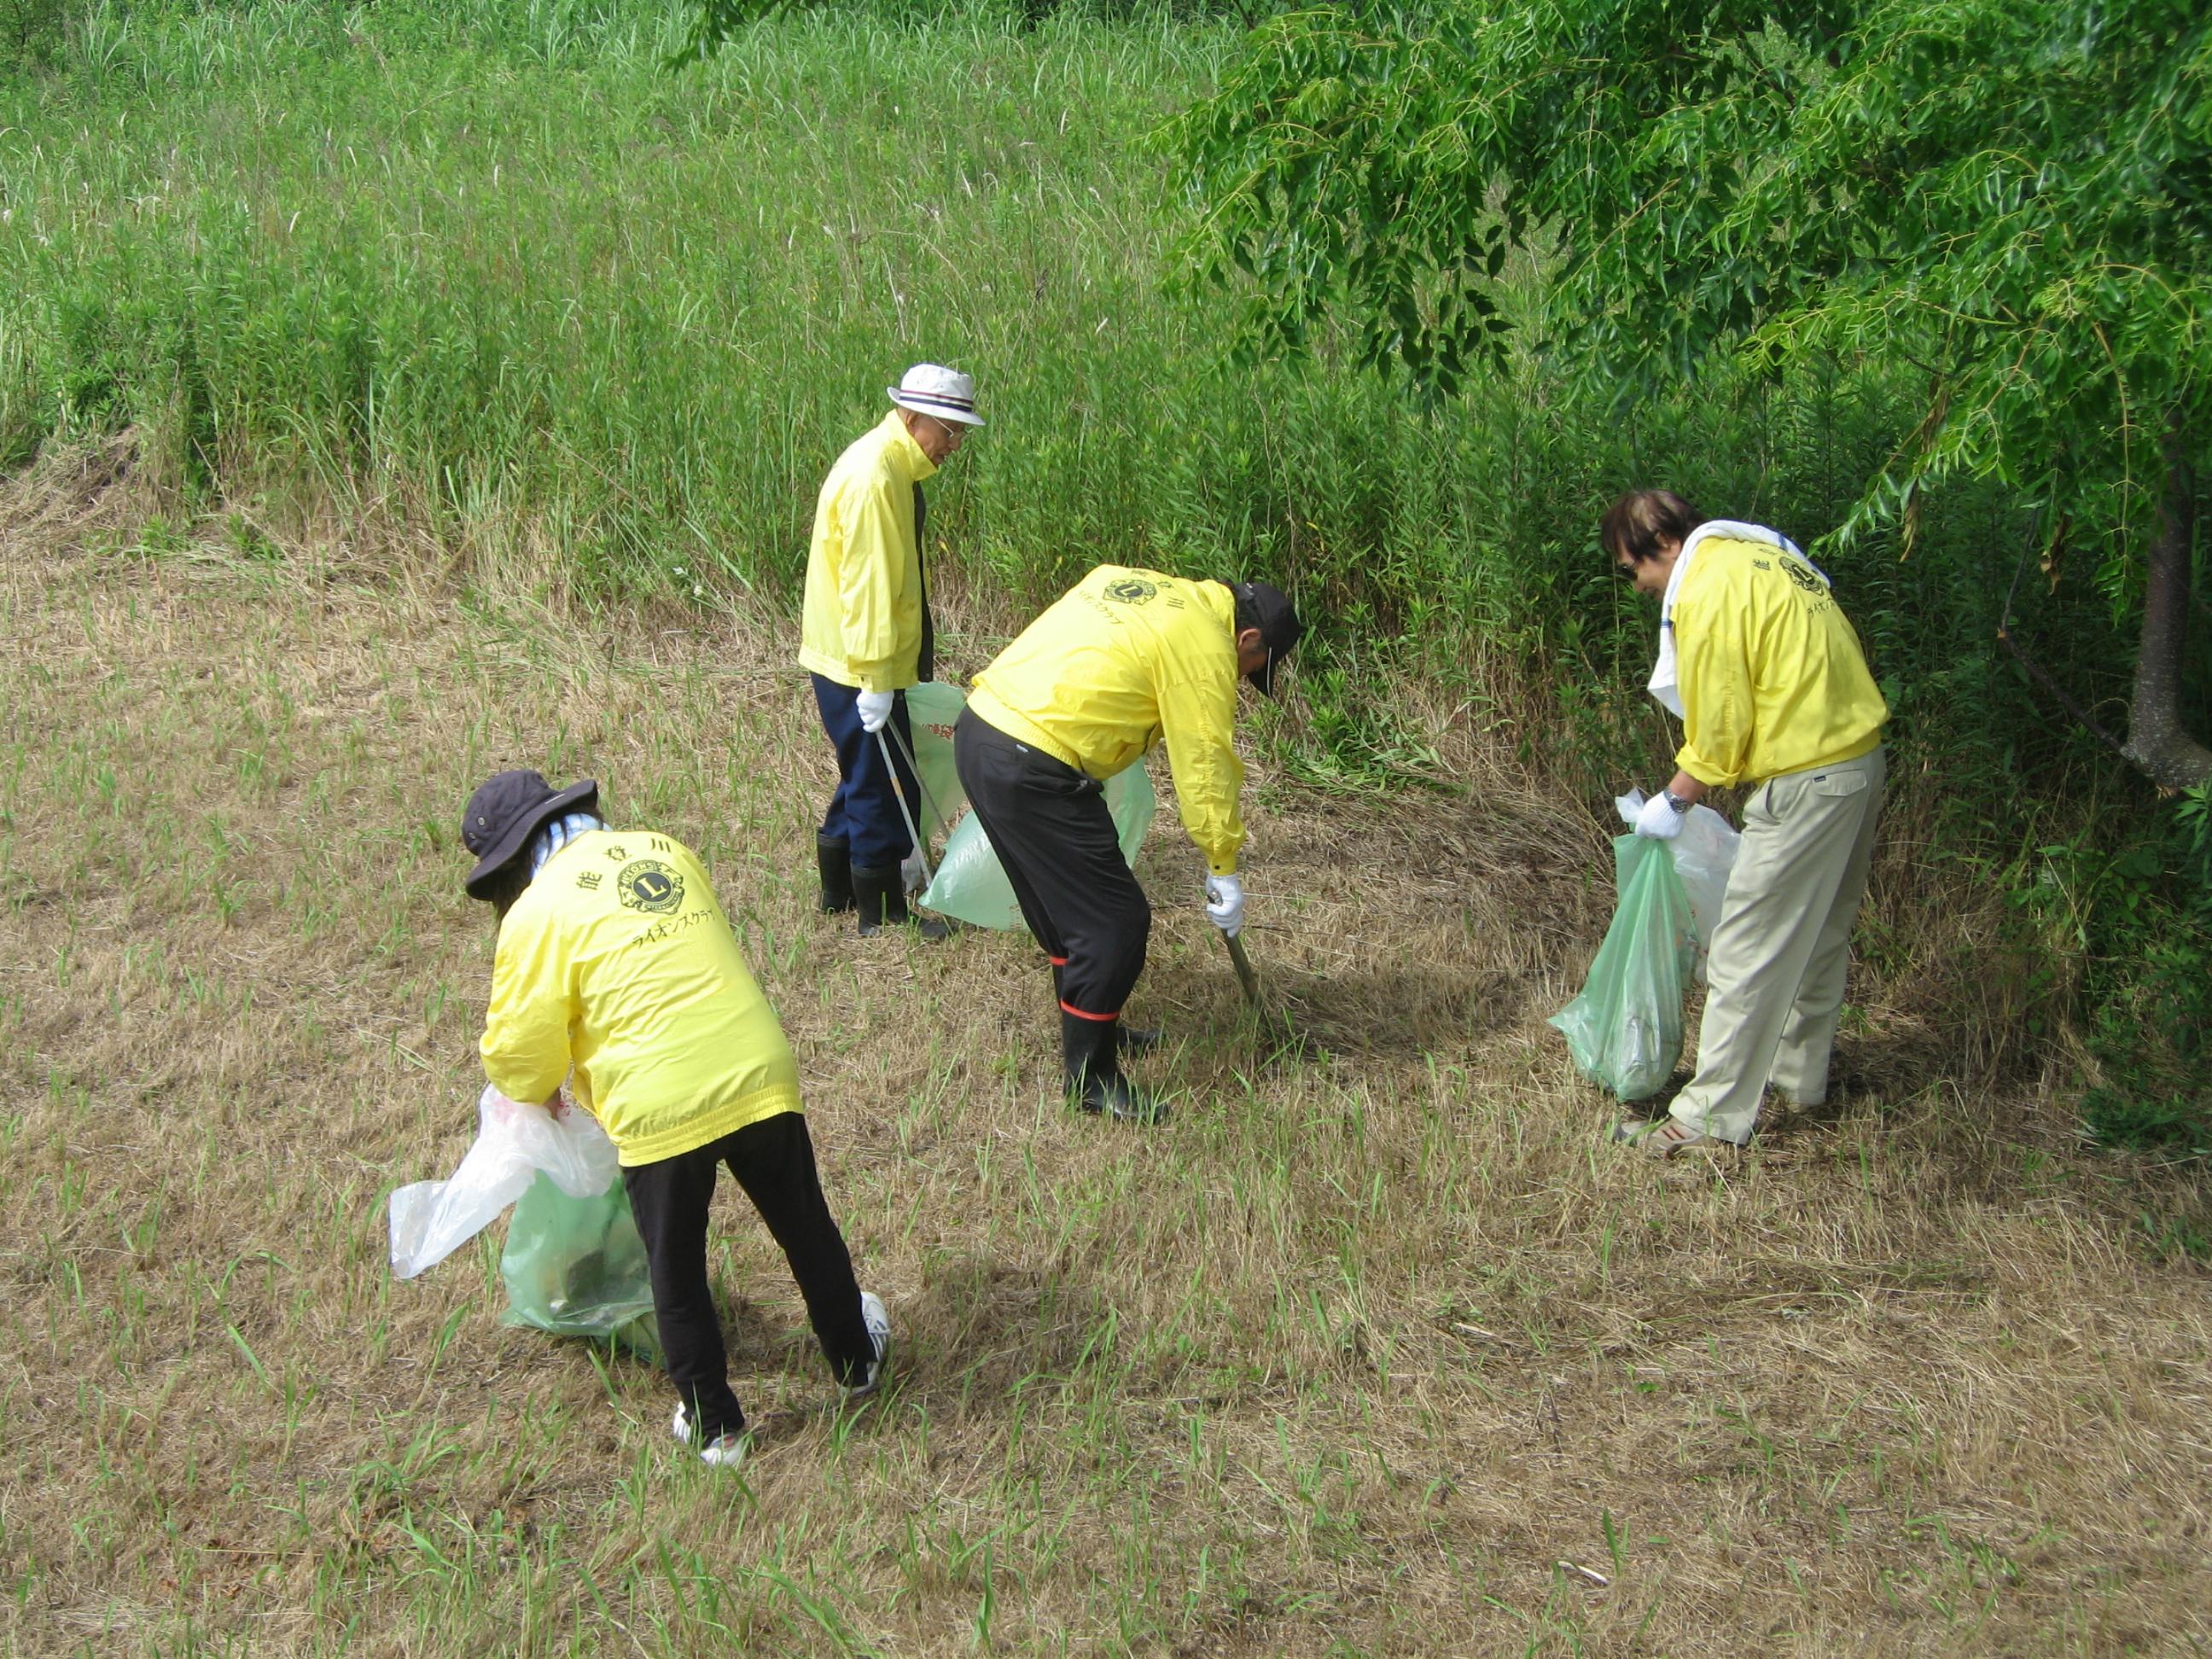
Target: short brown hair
x: 1637, y: 523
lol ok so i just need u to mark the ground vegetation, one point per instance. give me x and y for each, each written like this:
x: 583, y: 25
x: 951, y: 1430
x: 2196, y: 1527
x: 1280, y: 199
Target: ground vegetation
x: 1372, y: 1351
x: 395, y: 391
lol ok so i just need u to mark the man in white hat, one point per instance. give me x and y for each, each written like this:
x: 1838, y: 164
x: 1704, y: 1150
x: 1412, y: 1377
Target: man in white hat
x: 865, y: 635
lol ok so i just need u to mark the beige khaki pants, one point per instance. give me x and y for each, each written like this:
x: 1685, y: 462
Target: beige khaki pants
x: 1775, y: 979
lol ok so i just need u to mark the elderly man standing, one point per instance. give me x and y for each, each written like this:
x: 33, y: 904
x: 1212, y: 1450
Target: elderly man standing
x: 1126, y: 659
x: 1766, y: 674
x: 866, y: 636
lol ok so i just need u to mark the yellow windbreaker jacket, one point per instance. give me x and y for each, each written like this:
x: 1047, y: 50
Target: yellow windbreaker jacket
x: 1125, y: 657
x: 618, y: 961
x: 861, y: 623
x: 1773, y: 678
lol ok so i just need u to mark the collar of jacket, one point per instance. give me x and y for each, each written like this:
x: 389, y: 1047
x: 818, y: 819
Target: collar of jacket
x: 906, y: 454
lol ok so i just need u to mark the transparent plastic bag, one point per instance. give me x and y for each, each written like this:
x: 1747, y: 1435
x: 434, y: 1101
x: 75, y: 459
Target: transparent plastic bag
x: 1624, y: 1031
x: 971, y: 885
x: 575, y: 1267
x: 932, y: 708
x: 515, y: 1144
x: 1704, y: 852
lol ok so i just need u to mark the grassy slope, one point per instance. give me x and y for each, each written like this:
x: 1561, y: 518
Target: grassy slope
x: 1383, y: 1355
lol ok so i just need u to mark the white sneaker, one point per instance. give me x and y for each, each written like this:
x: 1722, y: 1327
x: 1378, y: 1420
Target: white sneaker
x: 878, y: 1319
x: 728, y: 1451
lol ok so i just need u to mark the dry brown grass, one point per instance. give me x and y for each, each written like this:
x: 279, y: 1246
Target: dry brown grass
x: 1381, y: 1354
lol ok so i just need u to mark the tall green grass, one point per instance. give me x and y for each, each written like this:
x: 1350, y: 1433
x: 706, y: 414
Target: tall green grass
x: 492, y: 253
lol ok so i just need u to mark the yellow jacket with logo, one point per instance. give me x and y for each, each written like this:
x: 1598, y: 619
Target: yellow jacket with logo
x: 618, y: 961
x: 1773, y: 678
x: 861, y: 623
x: 1124, y: 658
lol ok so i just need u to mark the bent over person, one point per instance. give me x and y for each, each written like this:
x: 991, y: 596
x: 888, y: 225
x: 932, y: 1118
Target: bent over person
x: 865, y: 636
x: 615, y: 959
x: 1126, y: 658
x: 1764, y: 669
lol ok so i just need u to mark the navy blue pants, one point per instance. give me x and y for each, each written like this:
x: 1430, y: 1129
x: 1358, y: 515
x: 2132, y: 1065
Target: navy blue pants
x: 863, y: 813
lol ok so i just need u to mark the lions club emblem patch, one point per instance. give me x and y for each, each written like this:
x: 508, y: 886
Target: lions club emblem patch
x: 648, y: 886
x: 1131, y: 590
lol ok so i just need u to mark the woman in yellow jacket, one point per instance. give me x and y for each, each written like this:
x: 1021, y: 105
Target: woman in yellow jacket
x: 615, y: 966
x: 1766, y: 674
x: 1126, y: 659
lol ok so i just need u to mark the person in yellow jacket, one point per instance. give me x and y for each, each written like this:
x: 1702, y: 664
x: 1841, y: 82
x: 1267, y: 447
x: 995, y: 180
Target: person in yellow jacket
x: 865, y: 636
x: 616, y: 966
x: 1126, y: 659
x: 1767, y: 676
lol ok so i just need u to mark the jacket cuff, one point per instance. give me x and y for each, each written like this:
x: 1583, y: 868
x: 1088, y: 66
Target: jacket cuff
x: 1713, y: 777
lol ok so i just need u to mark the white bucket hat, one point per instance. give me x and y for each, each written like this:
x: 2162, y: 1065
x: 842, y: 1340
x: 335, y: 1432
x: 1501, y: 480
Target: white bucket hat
x: 934, y: 389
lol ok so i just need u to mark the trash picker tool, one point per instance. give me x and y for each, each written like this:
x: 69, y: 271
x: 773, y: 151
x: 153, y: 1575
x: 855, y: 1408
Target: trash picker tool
x: 906, y: 755
x: 899, y: 795
x: 1279, y: 1035
x: 1245, y: 976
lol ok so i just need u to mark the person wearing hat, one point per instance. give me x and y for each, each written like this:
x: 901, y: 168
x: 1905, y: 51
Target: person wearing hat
x: 1126, y: 658
x: 1768, y: 678
x: 616, y: 964
x: 865, y: 635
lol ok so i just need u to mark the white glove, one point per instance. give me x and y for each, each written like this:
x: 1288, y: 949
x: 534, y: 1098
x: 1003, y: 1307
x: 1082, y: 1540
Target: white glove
x: 1659, y: 820
x: 910, y: 872
x: 1225, y: 903
x: 876, y: 709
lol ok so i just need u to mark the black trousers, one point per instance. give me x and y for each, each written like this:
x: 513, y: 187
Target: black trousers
x: 1055, y: 838
x: 773, y: 1162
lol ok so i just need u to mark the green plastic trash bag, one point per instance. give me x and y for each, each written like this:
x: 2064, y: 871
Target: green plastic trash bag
x: 932, y: 709
x: 971, y: 885
x: 575, y: 1267
x: 1624, y: 1031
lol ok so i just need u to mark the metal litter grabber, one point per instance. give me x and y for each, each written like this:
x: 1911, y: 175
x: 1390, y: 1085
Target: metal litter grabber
x: 1281, y: 1038
x: 914, y: 833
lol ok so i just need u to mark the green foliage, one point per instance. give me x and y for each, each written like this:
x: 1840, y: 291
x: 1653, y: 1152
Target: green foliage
x: 32, y: 33
x: 487, y: 258
x: 2139, y: 909
x: 2010, y: 204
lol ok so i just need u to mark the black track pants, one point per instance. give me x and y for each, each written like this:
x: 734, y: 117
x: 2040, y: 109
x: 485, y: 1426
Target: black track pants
x: 773, y: 1162
x: 1049, y: 826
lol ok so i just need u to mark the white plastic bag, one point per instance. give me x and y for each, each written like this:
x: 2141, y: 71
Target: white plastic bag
x: 1704, y: 852
x: 431, y: 1220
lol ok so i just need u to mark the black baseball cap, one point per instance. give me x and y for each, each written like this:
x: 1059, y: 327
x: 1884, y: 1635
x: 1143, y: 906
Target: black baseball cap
x: 1266, y: 607
x: 506, y: 811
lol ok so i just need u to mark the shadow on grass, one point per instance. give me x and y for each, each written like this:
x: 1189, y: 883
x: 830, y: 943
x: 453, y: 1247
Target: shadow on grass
x: 992, y: 1326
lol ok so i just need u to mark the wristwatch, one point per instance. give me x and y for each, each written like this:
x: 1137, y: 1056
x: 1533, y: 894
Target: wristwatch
x: 1676, y: 801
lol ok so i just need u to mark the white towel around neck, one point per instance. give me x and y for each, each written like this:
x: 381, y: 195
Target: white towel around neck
x: 1664, y: 684
x: 558, y: 834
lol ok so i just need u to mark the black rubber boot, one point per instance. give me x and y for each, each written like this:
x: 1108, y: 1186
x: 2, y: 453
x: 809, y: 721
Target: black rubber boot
x: 1095, y: 1083
x: 1128, y: 1039
x: 834, y: 860
x: 880, y: 897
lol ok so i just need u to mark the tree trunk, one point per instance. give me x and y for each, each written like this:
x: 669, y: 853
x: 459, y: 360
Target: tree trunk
x: 2164, y: 752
